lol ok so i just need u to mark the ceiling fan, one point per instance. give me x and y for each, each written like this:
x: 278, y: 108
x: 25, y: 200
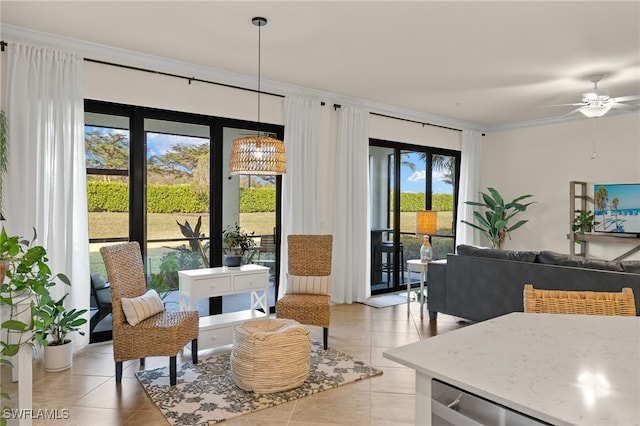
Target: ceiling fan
x: 597, y: 102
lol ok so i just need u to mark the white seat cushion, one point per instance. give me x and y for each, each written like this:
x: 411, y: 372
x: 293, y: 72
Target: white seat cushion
x: 139, y: 308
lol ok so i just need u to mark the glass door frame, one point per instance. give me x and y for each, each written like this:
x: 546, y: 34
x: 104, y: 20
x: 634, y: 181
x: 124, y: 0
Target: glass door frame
x: 218, y: 172
x: 398, y: 148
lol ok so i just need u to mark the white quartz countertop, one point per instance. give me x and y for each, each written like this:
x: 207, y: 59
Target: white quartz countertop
x: 563, y: 369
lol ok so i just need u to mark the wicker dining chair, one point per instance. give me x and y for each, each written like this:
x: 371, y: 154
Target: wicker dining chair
x: 579, y: 302
x: 163, y: 334
x: 308, y: 288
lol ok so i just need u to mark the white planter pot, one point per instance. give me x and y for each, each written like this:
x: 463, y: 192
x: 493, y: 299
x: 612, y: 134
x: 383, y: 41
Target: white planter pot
x: 58, y: 358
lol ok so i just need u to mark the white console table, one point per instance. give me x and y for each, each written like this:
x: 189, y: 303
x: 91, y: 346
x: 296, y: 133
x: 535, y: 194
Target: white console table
x: 217, y: 330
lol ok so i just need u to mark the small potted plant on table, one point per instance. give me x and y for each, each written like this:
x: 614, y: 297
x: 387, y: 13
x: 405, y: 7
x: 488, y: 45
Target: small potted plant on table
x: 237, y: 242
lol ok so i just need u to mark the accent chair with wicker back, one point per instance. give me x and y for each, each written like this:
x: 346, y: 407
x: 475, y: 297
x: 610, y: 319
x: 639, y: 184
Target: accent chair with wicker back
x: 579, y: 302
x: 307, y: 297
x: 161, y: 334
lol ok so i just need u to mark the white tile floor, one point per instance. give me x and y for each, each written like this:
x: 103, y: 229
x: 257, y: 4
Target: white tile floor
x: 88, y: 390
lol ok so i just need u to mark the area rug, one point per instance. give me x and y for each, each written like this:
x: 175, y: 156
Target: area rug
x: 205, y: 393
x: 386, y: 300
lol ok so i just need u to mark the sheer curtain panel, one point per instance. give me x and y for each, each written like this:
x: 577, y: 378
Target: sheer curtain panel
x: 351, y: 236
x: 300, y: 183
x: 46, y: 176
x: 469, y: 188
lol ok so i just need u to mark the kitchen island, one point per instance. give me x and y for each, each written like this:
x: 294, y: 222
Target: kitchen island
x: 556, y: 369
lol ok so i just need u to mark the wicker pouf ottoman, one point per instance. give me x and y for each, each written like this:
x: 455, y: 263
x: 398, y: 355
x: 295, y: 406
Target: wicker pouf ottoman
x: 270, y: 355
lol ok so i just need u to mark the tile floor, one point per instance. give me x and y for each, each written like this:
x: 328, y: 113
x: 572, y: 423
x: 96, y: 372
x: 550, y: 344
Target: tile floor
x: 88, y: 390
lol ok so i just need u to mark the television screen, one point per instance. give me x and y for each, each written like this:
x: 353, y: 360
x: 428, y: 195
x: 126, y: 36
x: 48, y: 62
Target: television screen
x: 617, y: 208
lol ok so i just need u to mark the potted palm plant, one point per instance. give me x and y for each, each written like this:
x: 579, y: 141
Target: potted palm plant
x: 53, y: 322
x: 494, y: 220
x: 237, y: 242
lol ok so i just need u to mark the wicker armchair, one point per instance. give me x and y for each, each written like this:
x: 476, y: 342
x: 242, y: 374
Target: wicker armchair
x: 163, y: 334
x: 309, y: 256
x: 579, y: 302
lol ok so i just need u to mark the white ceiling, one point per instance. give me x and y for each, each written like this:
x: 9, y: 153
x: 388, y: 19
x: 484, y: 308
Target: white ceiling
x: 492, y: 64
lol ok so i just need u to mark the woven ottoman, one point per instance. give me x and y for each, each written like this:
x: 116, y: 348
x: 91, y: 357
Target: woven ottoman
x: 270, y: 355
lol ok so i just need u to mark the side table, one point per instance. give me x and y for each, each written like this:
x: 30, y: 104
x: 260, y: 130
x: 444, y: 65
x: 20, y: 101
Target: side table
x: 418, y: 266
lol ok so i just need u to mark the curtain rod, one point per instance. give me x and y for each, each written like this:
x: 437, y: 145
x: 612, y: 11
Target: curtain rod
x: 3, y: 44
x: 184, y: 77
x: 336, y: 106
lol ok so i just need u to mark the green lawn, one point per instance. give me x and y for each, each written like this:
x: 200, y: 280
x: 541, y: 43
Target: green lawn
x: 164, y: 227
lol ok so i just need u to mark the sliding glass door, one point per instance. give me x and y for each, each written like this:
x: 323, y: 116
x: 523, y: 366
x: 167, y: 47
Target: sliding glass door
x: 161, y: 178
x: 406, y: 179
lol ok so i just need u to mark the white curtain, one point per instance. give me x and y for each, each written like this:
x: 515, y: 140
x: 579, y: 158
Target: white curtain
x: 46, y: 176
x: 351, y: 236
x: 300, y: 183
x: 469, y: 186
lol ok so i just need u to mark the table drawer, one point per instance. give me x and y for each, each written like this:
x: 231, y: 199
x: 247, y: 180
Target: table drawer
x: 212, y: 337
x: 210, y: 287
x: 250, y: 282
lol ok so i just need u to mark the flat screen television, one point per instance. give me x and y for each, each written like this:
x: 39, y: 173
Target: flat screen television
x: 617, y: 208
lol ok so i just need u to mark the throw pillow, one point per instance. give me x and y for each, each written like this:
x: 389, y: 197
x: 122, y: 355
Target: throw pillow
x: 308, y: 284
x: 140, y: 308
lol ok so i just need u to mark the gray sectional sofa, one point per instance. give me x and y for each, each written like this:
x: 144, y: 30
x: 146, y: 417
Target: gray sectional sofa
x: 478, y: 284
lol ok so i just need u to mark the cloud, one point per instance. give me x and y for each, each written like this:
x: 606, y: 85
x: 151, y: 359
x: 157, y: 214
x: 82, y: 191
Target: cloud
x: 418, y: 176
x: 421, y: 175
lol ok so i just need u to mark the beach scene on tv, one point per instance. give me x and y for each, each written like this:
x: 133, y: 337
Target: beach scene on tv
x: 617, y: 208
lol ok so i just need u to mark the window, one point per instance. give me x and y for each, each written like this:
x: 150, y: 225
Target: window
x: 161, y: 178
x: 405, y: 179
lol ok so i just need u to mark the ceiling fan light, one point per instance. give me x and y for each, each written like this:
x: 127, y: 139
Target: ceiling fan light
x: 595, y: 111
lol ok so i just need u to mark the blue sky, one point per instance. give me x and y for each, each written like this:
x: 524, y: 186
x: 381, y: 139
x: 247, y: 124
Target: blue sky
x: 415, y: 181
x: 628, y: 195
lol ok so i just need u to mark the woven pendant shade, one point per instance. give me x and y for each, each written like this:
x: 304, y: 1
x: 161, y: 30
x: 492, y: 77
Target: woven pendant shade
x: 257, y: 155
x: 426, y: 222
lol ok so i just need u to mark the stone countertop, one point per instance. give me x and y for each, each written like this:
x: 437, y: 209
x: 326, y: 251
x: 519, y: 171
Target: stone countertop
x: 563, y: 369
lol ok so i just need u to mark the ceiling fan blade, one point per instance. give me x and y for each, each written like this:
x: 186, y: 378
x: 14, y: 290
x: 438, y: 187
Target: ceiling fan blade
x: 558, y: 105
x: 572, y: 112
x: 626, y: 107
x: 627, y: 98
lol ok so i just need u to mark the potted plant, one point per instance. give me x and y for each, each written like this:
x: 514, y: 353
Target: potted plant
x: 494, y: 223
x: 583, y: 222
x: 26, y: 278
x: 237, y: 242
x: 53, y: 322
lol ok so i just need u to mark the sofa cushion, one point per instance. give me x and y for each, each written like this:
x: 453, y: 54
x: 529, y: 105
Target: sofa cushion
x: 553, y: 258
x: 561, y: 259
x: 518, y: 256
x: 631, y: 266
x: 604, y: 265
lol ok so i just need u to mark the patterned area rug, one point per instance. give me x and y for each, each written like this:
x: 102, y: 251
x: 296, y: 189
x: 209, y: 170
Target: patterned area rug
x: 205, y: 394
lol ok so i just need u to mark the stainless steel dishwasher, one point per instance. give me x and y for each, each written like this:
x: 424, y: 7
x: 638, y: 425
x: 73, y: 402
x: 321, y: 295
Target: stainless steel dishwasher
x: 451, y: 406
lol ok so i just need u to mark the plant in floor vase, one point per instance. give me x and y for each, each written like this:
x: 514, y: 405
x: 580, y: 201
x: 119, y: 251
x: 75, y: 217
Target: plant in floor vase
x: 27, y: 279
x: 237, y: 242
x: 53, y: 323
x: 494, y: 216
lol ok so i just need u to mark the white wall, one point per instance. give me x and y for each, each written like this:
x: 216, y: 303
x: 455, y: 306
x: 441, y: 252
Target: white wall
x: 543, y: 160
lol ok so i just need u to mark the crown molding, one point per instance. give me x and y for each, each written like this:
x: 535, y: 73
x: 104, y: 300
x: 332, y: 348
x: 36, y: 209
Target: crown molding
x: 89, y: 50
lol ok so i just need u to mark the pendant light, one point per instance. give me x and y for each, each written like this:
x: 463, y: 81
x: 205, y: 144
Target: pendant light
x: 258, y: 155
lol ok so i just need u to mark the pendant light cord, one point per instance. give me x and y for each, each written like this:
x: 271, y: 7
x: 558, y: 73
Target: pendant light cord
x: 259, y: 66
